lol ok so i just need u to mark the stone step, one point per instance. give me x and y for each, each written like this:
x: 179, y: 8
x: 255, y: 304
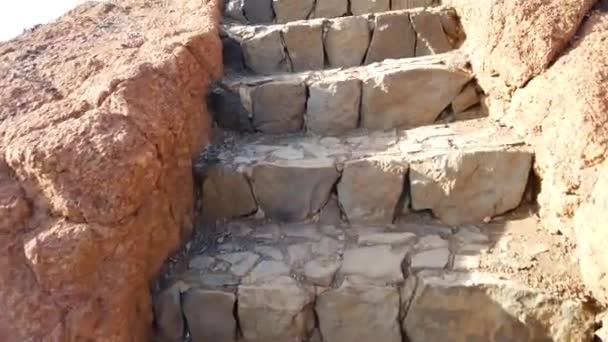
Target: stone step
x: 464, y: 172
x: 342, y: 42
x: 282, y: 11
x: 401, y: 93
x: 416, y: 282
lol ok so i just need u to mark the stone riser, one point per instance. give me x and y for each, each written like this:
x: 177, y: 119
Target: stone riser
x: 282, y: 11
x: 363, y: 284
x: 343, y: 42
x: 404, y: 93
x: 463, y: 177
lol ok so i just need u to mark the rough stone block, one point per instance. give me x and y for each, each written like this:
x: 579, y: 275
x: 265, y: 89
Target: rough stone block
x: 330, y: 8
x: 333, y: 106
x: 469, y: 186
x: 370, y: 189
x: 409, y: 97
x: 482, y: 307
x: 210, y: 315
x: 346, y: 41
x: 358, y: 7
x: 277, y: 311
x: 304, y: 41
x: 226, y: 194
x: 359, y: 314
x: 292, y: 10
x: 168, y: 314
x: 295, y: 190
x: 264, y: 52
x: 278, y: 107
x: 258, y: 11
x: 374, y: 265
x: 431, y: 38
x: 393, y: 37
x: 466, y: 99
x: 408, y: 4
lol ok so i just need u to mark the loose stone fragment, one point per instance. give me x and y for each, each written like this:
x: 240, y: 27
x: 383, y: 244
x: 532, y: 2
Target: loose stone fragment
x: 277, y: 311
x: 264, y: 52
x: 333, y: 106
x: 304, y: 41
x: 359, y: 314
x: 346, y: 41
x: 393, y: 37
x: 476, y: 306
x: 226, y: 194
x: 278, y: 107
x: 275, y: 184
x: 369, y: 190
x: 292, y: 10
x: 210, y: 315
x: 168, y: 315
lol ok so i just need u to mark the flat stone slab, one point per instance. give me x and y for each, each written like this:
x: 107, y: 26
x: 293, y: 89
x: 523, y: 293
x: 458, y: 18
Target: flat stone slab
x: 464, y: 172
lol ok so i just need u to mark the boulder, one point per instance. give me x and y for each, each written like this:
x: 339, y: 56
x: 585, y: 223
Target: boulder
x: 346, y: 41
x: 370, y: 189
x: 393, y: 37
x: 359, y: 313
x: 484, y: 307
x: 274, y: 185
x: 304, y: 42
x: 333, y: 106
x: 210, y: 315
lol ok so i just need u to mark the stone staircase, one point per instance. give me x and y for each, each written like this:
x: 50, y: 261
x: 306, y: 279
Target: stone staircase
x: 348, y: 201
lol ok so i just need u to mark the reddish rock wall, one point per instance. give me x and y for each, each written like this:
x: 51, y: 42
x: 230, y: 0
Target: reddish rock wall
x: 101, y: 114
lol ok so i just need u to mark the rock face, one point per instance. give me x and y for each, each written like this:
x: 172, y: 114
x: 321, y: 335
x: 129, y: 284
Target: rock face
x: 97, y: 131
x: 566, y: 127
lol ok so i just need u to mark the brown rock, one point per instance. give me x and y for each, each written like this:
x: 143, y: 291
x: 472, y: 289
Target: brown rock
x: 369, y: 6
x: 264, y: 52
x: 226, y: 194
x: 168, y: 315
x: 210, y: 315
x: 330, y: 8
x: 278, y: 107
x: 431, y: 38
x: 333, y: 106
x: 98, y: 127
x: 394, y: 37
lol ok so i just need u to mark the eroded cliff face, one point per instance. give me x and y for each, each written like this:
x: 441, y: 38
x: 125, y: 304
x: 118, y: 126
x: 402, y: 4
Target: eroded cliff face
x: 543, y: 66
x: 101, y: 114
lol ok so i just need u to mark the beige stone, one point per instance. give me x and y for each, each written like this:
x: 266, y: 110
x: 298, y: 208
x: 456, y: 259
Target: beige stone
x: 407, y: 4
x: 359, y: 314
x: 277, y: 311
x: 168, y: 313
x: 330, y: 8
x: 466, y: 99
x: 393, y: 37
x: 481, y: 306
x: 264, y: 52
x: 333, y: 105
x: 304, y: 42
x: 292, y: 10
x: 346, y: 41
x: 410, y: 97
x: 210, y: 315
x: 374, y: 265
x: 469, y: 186
x: 226, y: 194
x: 278, y: 107
x: 431, y: 38
x: 369, y: 6
x: 370, y: 189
